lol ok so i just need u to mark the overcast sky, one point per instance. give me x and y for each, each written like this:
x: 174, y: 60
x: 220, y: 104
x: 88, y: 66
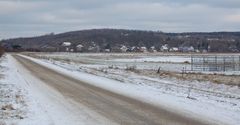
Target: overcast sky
x: 20, y: 18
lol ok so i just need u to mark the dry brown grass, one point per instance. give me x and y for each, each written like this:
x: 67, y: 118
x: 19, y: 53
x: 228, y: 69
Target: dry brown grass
x: 214, y: 78
x: 8, y: 107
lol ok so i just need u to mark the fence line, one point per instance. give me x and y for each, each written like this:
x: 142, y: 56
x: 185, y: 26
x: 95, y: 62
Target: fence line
x: 215, y: 63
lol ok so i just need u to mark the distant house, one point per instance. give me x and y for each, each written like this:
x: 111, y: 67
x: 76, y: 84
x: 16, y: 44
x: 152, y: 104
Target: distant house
x: 164, y: 48
x: 187, y: 49
x: 71, y: 50
x: 233, y: 48
x: 174, y: 49
x: 124, y: 48
x: 133, y: 48
x: 197, y: 51
x: 65, y: 44
x: 107, y: 50
x: 143, y: 49
x: 191, y: 49
x: 152, y: 49
x: 93, y: 48
x: 212, y: 39
x: 79, y: 47
x: 90, y: 48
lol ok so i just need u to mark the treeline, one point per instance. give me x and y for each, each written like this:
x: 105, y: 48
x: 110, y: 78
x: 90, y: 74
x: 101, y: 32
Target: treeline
x: 113, y: 39
x: 1, y: 50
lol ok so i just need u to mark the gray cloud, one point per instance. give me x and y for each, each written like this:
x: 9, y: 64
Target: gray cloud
x: 36, y: 17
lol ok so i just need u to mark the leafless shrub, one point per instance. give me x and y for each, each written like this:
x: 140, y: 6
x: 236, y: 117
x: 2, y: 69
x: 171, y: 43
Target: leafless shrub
x: 8, y: 107
x: 186, y: 62
x: 111, y: 67
x: 104, y: 71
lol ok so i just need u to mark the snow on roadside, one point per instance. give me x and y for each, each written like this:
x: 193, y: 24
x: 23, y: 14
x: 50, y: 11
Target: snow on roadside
x: 208, y: 111
x: 13, y: 102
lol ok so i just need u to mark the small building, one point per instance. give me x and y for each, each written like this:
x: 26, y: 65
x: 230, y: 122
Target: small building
x: 191, y: 49
x: 93, y: 48
x: 152, y: 49
x: 174, y: 49
x: 65, y: 44
x: 187, y: 49
x: 197, y: 50
x: 143, y: 49
x: 71, y: 50
x: 164, y: 48
x: 79, y: 47
x: 107, y: 50
x: 135, y: 49
x: 124, y: 48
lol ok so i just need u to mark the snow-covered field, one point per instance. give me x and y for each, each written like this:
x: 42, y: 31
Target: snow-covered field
x: 143, y: 61
x: 121, y: 60
x: 218, y: 102
x: 170, y: 59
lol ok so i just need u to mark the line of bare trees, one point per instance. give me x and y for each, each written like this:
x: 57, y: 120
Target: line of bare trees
x: 1, y: 50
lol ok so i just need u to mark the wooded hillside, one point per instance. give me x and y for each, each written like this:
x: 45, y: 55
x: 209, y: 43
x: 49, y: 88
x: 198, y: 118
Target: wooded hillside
x: 98, y: 40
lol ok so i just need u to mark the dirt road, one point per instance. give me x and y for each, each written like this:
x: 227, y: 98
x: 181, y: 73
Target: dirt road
x: 115, y: 107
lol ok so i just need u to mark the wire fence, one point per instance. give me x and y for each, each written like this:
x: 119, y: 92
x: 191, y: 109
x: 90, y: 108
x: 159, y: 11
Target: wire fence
x: 215, y: 63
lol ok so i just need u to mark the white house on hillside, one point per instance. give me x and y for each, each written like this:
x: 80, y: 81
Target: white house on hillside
x: 164, y: 48
x: 174, y: 49
x: 187, y: 49
x: 152, y: 49
x: 66, y: 44
x: 143, y: 49
x: 79, y: 47
x: 124, y: 48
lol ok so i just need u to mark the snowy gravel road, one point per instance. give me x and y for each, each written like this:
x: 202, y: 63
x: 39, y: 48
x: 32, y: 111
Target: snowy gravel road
x: 116, y: 108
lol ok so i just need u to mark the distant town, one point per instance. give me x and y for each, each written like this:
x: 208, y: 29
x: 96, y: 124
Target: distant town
x: 114, y: 40
x: 67, y: 47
